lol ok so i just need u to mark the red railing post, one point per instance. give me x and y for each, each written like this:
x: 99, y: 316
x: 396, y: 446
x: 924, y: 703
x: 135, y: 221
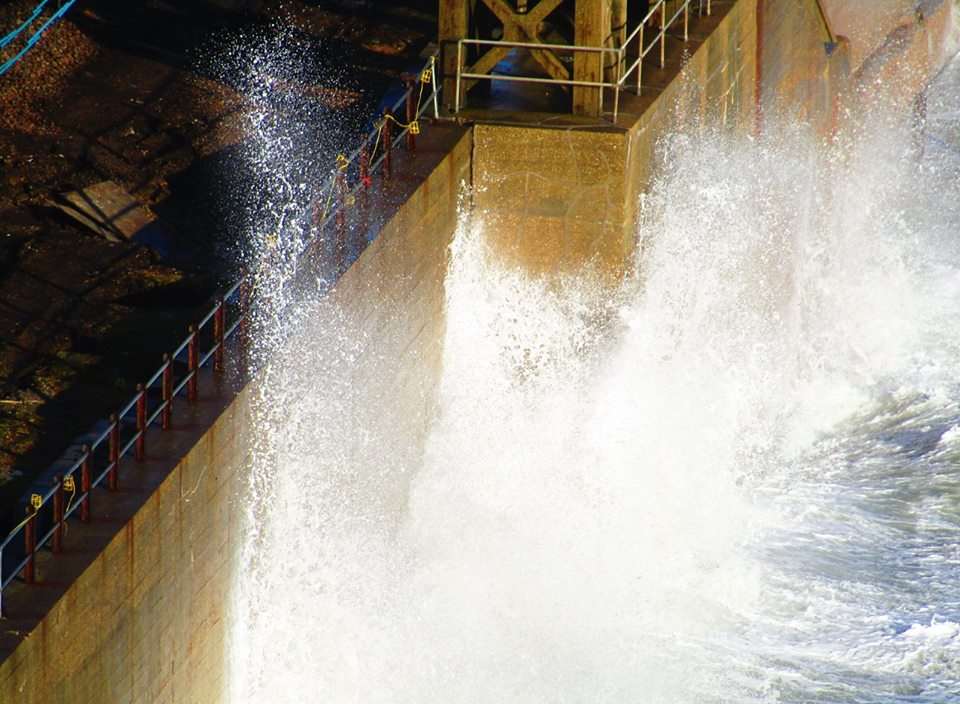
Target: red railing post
x: 246, y: 304
x: 114, y: 453
x: 85, y: 485
x: 218, y: 332
x: 192, y: 364
x: 166, y: 391
x: 58, y: 515
x: 387, y: 144
x: 364, y: 166
x: 411, y: 116
x: 364, y: 205
x: 140, y: 445
x: 340, y: 222
x: 30, y: 545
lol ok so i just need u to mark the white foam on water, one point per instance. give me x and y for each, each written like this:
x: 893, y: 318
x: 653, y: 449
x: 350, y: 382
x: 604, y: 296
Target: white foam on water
x: 735, y: 483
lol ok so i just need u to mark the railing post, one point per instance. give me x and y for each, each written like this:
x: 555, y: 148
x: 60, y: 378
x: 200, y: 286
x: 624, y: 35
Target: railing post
x: 30, y: 545
x: 140, y: 445
x: 166, y: 391
x: 340, y: 222
x: 58, y: 515
x: 640, y: 63
x: 663, y: 34
x: 364, y: 166
x: 245, y: 316
x: 411, y: 116
x: 360, y: 233
x: 192, y: 364
x: 456, y: 100
x: 616, y: 89
x: 218, y: 332
x: 435, y: 86
x: 388, y: 144
x: 114, y: 453
x: 85, y: 485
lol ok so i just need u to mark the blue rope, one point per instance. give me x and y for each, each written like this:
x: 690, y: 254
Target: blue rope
x: 9, y: 63
x: 15, y: 33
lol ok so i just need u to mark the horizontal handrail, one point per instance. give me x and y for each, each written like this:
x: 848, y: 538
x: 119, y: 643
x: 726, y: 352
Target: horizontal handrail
x: 537, y: 79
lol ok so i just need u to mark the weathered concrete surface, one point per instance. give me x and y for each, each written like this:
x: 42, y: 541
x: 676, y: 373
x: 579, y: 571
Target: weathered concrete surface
x: 137, y: 602
x: 871, y: 25
x: 135, y: 610
x: 909, y: 55
x: 144, y: 620
x: 718, y: 87
x: 392, y: 300
x: 803, y: 67
x: 554, y: 199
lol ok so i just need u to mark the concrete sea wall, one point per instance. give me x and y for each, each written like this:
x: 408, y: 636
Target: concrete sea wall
x: 146, y: 621
x: 555, y: 198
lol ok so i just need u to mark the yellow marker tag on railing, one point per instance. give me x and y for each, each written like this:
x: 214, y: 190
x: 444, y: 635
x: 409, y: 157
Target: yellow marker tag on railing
x: 68, y: 484
x: 415, y: 127
x: 36, y: 501
x: 342, y: 162
x: 426, y: 76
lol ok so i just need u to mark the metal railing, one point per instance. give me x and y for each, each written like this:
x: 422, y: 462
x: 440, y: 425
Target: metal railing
x: 529, y: 79
x: 620, y: 54
x: 352, y: 174
x: 51, y: 510
x: 99, y: 461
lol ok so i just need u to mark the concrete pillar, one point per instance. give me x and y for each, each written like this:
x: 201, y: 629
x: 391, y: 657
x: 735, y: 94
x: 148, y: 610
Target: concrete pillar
x: 453, y: 26
x: 591, y: 29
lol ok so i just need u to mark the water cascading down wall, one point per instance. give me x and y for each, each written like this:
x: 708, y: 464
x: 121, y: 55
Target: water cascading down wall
x: 147, y: 621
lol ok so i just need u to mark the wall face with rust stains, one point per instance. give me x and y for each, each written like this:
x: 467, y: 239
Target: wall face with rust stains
x: 909, y: 54
x: 888, y: 27
x: 865, y: 22
x: 147, y: 621
x: 802, y: 71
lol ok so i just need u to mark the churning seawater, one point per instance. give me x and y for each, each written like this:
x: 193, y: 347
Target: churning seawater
x: 735, y: 480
